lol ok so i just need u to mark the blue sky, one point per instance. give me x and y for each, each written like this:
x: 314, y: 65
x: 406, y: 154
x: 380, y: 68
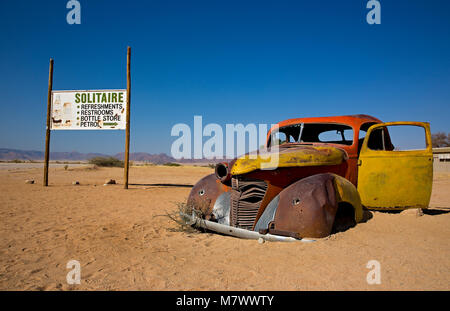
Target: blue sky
x: 228, y: 61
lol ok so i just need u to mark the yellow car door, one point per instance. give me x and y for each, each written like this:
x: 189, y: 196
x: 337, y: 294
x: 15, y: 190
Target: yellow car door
x: 389, y: 178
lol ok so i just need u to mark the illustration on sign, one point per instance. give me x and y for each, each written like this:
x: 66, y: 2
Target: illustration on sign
x: 89, y: 110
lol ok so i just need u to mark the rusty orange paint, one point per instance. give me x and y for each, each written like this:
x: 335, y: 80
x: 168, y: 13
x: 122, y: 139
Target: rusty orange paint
x: 355, y: 121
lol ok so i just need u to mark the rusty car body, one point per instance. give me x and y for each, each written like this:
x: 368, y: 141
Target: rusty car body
x: 316, y: 186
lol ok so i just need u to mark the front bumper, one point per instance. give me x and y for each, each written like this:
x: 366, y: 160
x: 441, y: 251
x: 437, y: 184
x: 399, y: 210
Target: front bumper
x: 195, y: 221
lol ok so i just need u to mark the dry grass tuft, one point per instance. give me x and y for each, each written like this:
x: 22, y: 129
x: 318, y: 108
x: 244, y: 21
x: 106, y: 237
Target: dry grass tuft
x: 182, y: 222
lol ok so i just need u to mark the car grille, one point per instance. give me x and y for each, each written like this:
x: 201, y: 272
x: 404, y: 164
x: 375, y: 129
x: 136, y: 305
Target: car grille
x: 246, y: 197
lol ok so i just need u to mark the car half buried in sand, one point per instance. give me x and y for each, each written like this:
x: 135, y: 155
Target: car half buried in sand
x: 314, y: 177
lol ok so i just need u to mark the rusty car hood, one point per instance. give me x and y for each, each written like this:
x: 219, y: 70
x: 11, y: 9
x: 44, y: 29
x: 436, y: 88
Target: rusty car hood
x: 293, y: 156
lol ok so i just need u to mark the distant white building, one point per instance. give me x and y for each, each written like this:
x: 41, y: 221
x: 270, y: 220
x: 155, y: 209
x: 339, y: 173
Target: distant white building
x: 441, y: 159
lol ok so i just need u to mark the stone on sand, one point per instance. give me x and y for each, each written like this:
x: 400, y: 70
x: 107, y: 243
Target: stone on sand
x: 413, y: 211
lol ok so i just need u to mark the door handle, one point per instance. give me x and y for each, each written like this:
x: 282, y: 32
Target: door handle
x: 359, y: 162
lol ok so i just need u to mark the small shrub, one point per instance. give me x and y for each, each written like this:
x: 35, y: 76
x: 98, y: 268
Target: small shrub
x: 89, y: 168
x: 16, y: 161
x: 181, y: 221
x: 171, y: 164
x: 106, y: 162
x: 211, y: 165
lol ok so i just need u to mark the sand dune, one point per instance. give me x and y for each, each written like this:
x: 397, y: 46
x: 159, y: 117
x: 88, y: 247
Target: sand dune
x: 123, y: 242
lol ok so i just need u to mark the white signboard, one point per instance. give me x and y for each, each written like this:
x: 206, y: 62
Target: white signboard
x: 89, y: 110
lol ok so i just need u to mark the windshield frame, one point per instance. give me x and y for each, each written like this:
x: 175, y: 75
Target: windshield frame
x: 275, y: 130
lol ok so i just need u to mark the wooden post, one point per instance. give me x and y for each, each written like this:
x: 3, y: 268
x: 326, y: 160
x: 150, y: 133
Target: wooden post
x: 127, y: 131
x: 47, y: 134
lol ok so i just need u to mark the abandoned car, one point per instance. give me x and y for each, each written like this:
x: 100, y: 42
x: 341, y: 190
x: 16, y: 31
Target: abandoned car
x: 314, y: 177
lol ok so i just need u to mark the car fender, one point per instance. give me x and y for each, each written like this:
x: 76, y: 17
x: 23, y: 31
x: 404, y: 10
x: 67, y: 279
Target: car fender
x: 205, y: 193
x: 307, y: 208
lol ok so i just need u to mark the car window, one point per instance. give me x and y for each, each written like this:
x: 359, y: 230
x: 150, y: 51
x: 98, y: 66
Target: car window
x: 362, y: 134
x: 398, y: 138
x: 336, y: 136
x: 279, y: 138
x: 379, y: 140
x: 408, y: 137
x: 316, y: 133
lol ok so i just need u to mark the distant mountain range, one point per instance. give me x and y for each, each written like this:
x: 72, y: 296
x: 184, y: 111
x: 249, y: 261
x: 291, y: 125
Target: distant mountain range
x: 32, y: 155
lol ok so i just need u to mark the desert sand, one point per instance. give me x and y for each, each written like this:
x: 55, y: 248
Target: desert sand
x: 123, y: 241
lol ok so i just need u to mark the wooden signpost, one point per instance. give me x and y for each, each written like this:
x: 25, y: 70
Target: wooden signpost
x: 47, y: 130
x: 127, y: 130
x: 88, y: 110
